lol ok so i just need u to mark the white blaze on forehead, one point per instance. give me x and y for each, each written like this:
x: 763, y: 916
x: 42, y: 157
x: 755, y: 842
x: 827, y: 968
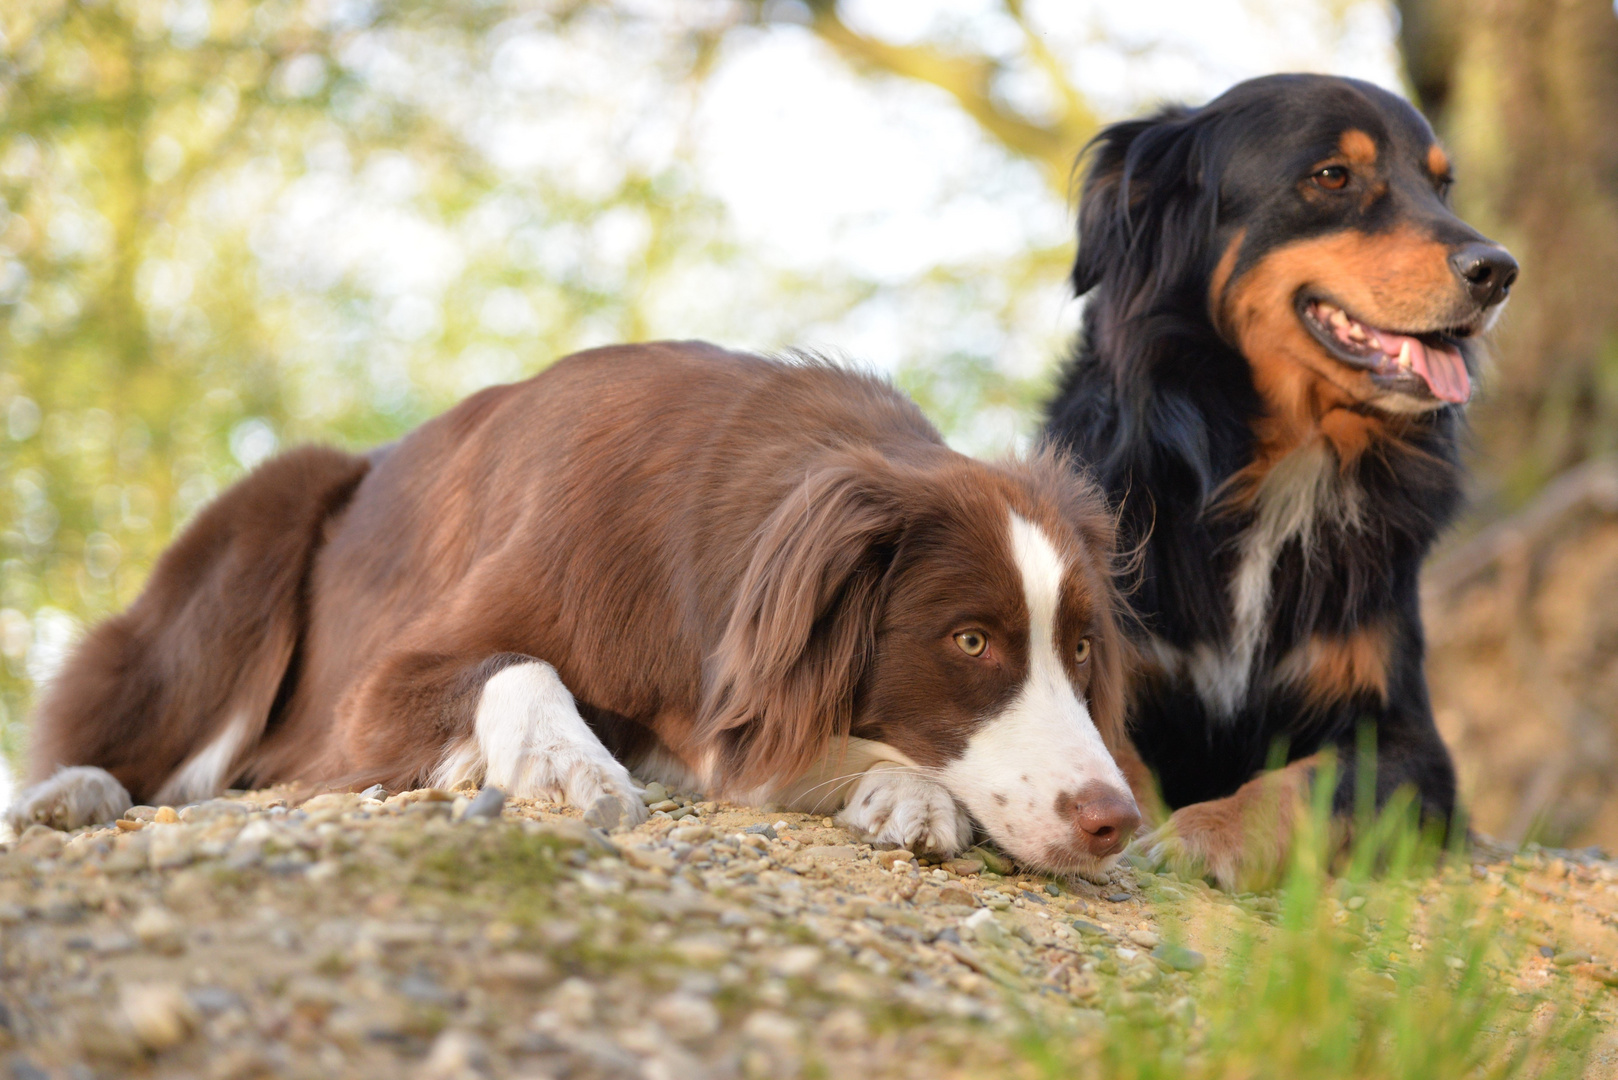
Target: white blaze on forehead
x: 1043, y: 745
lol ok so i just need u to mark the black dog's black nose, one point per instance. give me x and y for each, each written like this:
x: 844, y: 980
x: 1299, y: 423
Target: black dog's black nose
x: 1487, y: 270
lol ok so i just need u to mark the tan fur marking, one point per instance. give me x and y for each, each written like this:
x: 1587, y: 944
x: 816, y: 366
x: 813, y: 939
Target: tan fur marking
x: 1397, y: 279
x: 1437, y: 160
x: 1242, y: 840
x: 1333, y: 669
x: 1221, y: 274
x: 1358, y: 147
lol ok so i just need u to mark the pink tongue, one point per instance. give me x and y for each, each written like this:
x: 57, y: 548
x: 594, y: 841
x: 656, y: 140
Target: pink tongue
x: 1443, y: 369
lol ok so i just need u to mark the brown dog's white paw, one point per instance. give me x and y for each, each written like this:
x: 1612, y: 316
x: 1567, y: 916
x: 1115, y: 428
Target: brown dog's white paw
x: 73, y: 798
x: 894, y: 806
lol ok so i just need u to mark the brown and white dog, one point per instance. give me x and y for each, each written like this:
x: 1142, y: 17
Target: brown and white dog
x: 769, y: 579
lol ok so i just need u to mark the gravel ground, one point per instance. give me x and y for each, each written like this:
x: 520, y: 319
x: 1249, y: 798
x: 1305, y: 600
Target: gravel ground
x: 443, y: 935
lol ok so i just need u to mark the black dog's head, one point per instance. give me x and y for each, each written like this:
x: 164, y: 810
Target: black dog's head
x: 1302, y: 222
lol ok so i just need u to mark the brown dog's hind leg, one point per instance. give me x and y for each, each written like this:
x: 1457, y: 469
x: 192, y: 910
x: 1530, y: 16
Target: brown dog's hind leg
x: 167, y: 698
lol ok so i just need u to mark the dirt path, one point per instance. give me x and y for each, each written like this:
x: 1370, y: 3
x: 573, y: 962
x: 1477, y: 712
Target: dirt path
x: 355, y: 937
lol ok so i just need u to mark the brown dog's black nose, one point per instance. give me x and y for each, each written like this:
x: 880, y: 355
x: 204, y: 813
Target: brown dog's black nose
x: 1487, y: 270
x: 1103, y: 819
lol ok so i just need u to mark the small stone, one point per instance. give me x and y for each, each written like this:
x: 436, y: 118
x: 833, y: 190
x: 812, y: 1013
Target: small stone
x: 126, y: 825
x: 158, y: 930
x: 665, y: 805
x: 455, y: 1055
x: 649, y: 859
x: 955, y: 896
x: 1145, y: 939
x: 993, y: 861
x: 686, y: 1017
x: 1088, y: 929
x: 690, y: 834
x: 1354, y: 903
x: 489, y: 803
x: 888, y: 859
x: 796, y: 962
x: 159, y: 1014
x: 831, y: 852
x: 375, y: 791
x: 827, y: 823
x: 769, y: 832
x: 1052, y: 889
x: 40, y: 842
x: 1571, y: 957
x: 1179, y: 957
x: 964, y: 867
x: 170, y: 848
x: 140, y: 813
x: 604, y: 813
x: 654, y: 793
x: 1118, y: 898
x: 528, y: 971
x: 773, y: 1029
x: 166, y: 815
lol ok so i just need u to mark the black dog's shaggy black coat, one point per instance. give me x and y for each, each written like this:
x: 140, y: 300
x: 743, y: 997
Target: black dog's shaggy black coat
x: 1198, y: 405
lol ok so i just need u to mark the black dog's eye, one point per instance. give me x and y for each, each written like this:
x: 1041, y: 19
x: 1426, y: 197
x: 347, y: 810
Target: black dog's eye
x: 1332, y: 178
x: 1082, y: 653
x: 972, y: 642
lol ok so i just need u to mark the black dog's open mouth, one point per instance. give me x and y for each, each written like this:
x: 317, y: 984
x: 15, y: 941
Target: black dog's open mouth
x: 1423, y: 365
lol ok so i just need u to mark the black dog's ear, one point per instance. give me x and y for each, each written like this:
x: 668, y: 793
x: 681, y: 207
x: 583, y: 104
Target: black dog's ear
x: 1148, y: 207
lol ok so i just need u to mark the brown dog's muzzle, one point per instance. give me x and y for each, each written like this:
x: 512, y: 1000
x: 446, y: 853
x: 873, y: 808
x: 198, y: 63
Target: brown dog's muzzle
x: 1103, y: 819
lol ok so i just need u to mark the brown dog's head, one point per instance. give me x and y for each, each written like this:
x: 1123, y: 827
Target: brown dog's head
x: 962, y: 614
x: 1306, y: 220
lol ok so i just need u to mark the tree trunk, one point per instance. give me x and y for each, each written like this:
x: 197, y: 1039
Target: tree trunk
x: 1525, y: 95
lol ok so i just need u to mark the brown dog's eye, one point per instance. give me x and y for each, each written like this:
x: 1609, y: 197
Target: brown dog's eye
x: 1082, y: 653
x: 1332, y: 178
x: 972, y: 642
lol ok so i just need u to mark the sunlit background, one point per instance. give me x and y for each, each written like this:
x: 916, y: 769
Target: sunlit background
x: 226, y: 228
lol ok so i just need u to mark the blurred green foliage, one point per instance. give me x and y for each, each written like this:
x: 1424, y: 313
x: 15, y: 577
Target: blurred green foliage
x: 175, y: 302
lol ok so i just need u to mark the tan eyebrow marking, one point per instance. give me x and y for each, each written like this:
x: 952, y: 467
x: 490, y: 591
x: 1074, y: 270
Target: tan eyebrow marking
x: 1437, y: 160
x: 1358, y: 147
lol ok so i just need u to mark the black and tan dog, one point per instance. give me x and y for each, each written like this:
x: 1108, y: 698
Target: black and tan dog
x: 1278, y: 342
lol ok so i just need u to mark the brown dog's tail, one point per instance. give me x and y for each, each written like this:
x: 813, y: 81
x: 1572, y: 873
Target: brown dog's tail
x: 171, y: 695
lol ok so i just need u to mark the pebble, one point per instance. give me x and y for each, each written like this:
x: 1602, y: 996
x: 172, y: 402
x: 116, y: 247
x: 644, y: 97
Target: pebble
x: 665, y: 805
x: 686, y: 1017
x: 1145, y: 939
x: 1117, y: 898
x: 375, y: 791
x: 690, y: 834
x: 964, y: 867
x: 992, y: 860
x: 489, y: 803
x: 1354, y: 903
x: 1179, y: 957
x: 766, y: 831
x: 159, y: 1014
x: 1088, y: 929
x: 455, y: 1055
x: 796, y: 962
x: 604, y: 813
x: 955, y: 896
x: 654, y: 793
x: 169, y: 848
x: 158, y: 930
x: 165, y: 815
x: 831, y: 852
x: 1571, y: 957
x: 888, y: 859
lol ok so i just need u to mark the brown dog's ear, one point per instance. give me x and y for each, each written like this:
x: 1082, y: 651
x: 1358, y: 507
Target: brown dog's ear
x: 803, y: 625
